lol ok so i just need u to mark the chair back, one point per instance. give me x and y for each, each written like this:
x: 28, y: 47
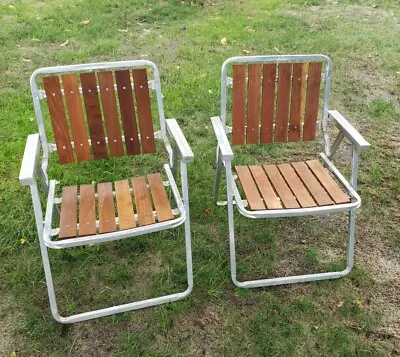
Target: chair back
x: 99, y: 110
x: 275, y: 98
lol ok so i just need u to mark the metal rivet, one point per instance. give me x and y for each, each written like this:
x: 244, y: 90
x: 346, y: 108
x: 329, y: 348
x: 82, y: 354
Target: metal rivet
x: 115, y: 140
x: 141, y: 86
x: 54, y: 94
x: 89, y: 90
x: 131, y: 139
x: 107, y: 88
x: 147, y: 137
x: 81, y: 144
x: 98, y: 142
x: 64, y: 147
x: 123, y: 87
x: 72, y: 92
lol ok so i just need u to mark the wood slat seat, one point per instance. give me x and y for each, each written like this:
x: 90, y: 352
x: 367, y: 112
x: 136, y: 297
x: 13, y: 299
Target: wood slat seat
x: 140, y: 201
x: 288, y: 186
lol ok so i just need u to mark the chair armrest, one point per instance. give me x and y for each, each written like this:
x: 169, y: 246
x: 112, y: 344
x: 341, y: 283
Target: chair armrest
x: 175, y: 131
x: 30, y: 160
x: 223, y: 143
x: 349, y: 131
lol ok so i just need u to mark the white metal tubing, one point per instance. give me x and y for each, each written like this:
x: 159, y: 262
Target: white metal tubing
x: 27, y: 175
x: 354, y: 168
x: 218, y: 174
x: 220, y: 133
x: 175, y: 131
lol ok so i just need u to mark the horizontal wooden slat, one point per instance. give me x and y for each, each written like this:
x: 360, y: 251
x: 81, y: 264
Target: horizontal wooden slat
x: 160, y: 198
x: 69, y: 206
x: 87, y: 210
x: 328, y: 182
x: 250, y: 188
x: 106, y: 208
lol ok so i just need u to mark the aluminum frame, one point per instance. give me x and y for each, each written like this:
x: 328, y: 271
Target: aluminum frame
x: 30, y: 170
x: 225, y: 157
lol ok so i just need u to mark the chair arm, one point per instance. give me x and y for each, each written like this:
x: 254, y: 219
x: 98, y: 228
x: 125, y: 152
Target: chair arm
x: 223, y: 143
x: 30, y: 160
x: 349, y: 131
x: 175, y: 131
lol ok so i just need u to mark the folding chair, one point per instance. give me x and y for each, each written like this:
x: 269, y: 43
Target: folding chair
x: 281, y: 105
x: 97, y: 85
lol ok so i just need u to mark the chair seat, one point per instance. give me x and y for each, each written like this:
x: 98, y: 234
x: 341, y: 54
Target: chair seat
x: 85, y: 212
x: 293, y: 185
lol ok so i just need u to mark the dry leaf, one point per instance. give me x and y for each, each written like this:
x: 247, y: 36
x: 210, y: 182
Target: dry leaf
x: 35, y: 39
x: 22, y: 241
x: 207, y: 211
x: 11, y: 7
x: 246, y: 52
x: 202, y: 75
x: 26, y: 60
x: 224, y: 41
x: 360, y: 304
x: 339, y: 304
x: 210, y: 91
x: 276, y: 49
x: 122, y: 30
x: 85, y: 22
x: 64, y: 43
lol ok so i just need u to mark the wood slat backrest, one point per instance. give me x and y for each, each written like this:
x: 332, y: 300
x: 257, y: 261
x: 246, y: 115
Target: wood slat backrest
x: 98, y: 104
x: 281, y: 102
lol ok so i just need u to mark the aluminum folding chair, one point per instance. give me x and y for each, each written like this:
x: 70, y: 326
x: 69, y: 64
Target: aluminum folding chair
x: 281, y: 105
x: 97, y: 85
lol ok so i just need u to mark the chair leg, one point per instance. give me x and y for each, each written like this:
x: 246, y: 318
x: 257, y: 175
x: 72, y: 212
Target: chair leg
x: 290, y: 279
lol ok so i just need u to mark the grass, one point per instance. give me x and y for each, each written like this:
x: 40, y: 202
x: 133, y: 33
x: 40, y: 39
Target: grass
x: 351, y: 316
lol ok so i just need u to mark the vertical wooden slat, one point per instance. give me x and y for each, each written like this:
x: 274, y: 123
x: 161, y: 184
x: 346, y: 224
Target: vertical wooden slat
x: 142, y: 201
x: 106, y: 208
x: 76, y: 116
x: 125, y: 97
x: 160, y: 198
x: 250, y: 188
x: 297, y: 101
x: 268, y: 103
x: 144, y: 110
x: 238, y: 104
x: 124, y: 205
x: 69, y: 207
x: 92, y: 105
x: 58, y: 119
x: 110, y: 111
x: 253, y: 104
x: 311, y: 111
x: 87, y: 210
x: 283, y: 96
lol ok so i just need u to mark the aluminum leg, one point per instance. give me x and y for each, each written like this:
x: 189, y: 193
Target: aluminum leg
x: 218, y: 176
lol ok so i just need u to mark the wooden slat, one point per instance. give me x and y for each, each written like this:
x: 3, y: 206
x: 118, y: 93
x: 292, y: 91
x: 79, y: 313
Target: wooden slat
x: 127, y: 109
x: 297, y: 101
x: 250, y: 188
x: 87, y: 210
x: 311, y: 111
x: 296, y: 185
x: 58, y: 119
x: 93, y: 112
x: 238, y: 104
x: 106, y: 208
x: 268, y: 102
x: 264, y: 186
x: 280, y: 186
x: 110, y: 111
x: 144, y: 110
x: 253, y: 103
x: 312, y: 184
x: 160, y: 198
x: 328, y: 182
x: 282, y: 106
x: 144, y: 209
x: 126, y: 215
x: 69, y: 206
x: 76, y: 116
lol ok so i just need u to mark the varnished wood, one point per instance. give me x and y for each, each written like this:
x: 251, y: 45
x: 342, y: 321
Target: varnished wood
x: 238, y: 104
x: 76, y: 117
x: 69, y: 206
x: 106, y: 208
x: 282, y: 106
x: 313, y: 92
x: 58, y: 119
x: 250, y: 188
x: 328, y: 182
x: 93, y: 112
x: 126, y: 215
x: 142, y: 201
x: 87, y: 210
x: 310, y: 181
x: 127, y: 109
x: 110, y: 111
x: 296, y: 185
x: 144, y: 110
x: 268, y: 103
x: 160, y: 198
x: 253, y: 104
x: 264, y: 186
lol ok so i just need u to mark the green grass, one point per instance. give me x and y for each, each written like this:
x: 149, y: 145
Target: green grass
x: 183, y: 38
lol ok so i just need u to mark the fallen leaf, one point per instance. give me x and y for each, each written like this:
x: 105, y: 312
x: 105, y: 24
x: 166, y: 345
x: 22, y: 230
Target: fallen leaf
x: 202, y: 75
x: 246, y: 52
x: 26, y: 60
x: 360, y: 304
x: 224, y: 41
x: 177, y: 67
x: 22, y: 241
x: 210, y: 91
x: 64, y: 43
x: 35, y: 39
x: 207, y: 211
x: 276, y: 49
x: 303, y: 241
x: 339, y: 304
x: 11, y: 7
x: 122, y: 30
x: 85, y: 22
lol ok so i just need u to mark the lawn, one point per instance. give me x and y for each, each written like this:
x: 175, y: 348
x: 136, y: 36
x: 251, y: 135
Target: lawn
x: 357, y: 315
